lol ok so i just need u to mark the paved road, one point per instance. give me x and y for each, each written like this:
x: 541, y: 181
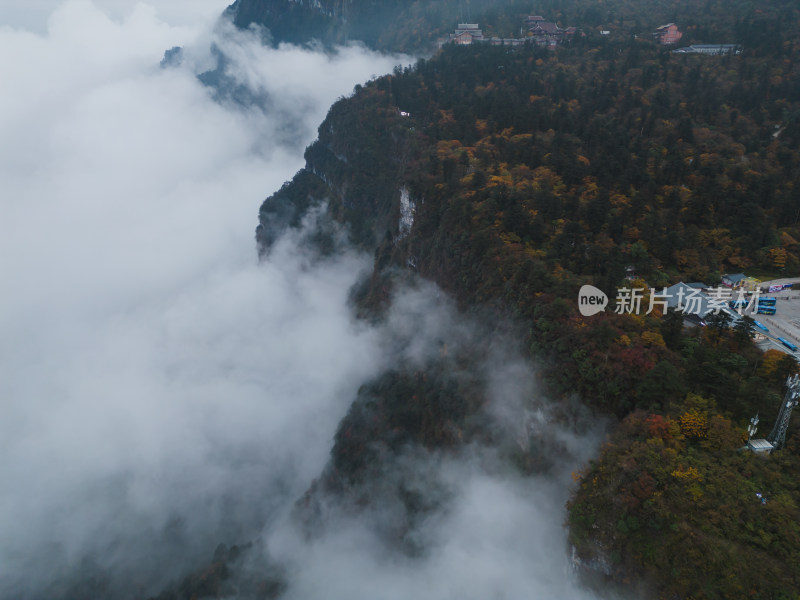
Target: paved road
x: 771, y: 342
x: 786, y: 320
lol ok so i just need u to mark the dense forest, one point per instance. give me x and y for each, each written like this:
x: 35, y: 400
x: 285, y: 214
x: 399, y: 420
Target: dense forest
x: 531, y: 172
x: 415, y: 26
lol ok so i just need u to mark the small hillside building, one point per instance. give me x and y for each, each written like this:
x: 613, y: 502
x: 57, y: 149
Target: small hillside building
x: 759, y: 446
x: 667, y: 34
x: 733, y: 280
x: 545, y: 33
x: 464, y: 35
x: 534, y: 30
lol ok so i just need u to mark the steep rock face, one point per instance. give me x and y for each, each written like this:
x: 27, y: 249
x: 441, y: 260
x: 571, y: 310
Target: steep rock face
x: 329, y: 21
x: 293, y: 21
x: 356, y: 165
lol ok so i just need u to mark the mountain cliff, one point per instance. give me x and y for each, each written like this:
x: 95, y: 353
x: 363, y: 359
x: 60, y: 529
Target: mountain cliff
x: 511, y: 178
x: 334, y: 21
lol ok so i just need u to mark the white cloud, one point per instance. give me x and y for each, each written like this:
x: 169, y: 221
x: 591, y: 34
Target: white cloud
x: 149, y: 368
x: 494, y: 533
x: 498, y: 539
x: 160, y: 391
x: 33, y: 15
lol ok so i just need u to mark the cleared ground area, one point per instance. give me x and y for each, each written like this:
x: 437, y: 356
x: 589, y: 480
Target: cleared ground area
x: 785, y: 322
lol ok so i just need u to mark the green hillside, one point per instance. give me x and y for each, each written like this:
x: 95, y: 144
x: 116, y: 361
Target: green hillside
x: 533, y: 172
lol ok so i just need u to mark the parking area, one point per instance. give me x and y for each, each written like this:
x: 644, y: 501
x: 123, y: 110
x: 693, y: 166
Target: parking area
x: 785, y: 322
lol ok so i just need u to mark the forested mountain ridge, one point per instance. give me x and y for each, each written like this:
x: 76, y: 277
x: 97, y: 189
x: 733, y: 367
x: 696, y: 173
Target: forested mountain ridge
x: 415, y: 26
x: 528, y: 173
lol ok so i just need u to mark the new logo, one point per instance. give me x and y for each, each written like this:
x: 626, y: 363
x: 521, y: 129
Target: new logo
x: 591, y: 300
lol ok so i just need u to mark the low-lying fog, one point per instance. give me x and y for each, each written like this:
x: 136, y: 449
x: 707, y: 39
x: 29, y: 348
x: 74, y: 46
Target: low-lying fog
x: 162, y: 392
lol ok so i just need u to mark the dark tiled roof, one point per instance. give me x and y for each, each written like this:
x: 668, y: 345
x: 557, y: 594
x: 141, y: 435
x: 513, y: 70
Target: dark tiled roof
x: 546, y: 27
